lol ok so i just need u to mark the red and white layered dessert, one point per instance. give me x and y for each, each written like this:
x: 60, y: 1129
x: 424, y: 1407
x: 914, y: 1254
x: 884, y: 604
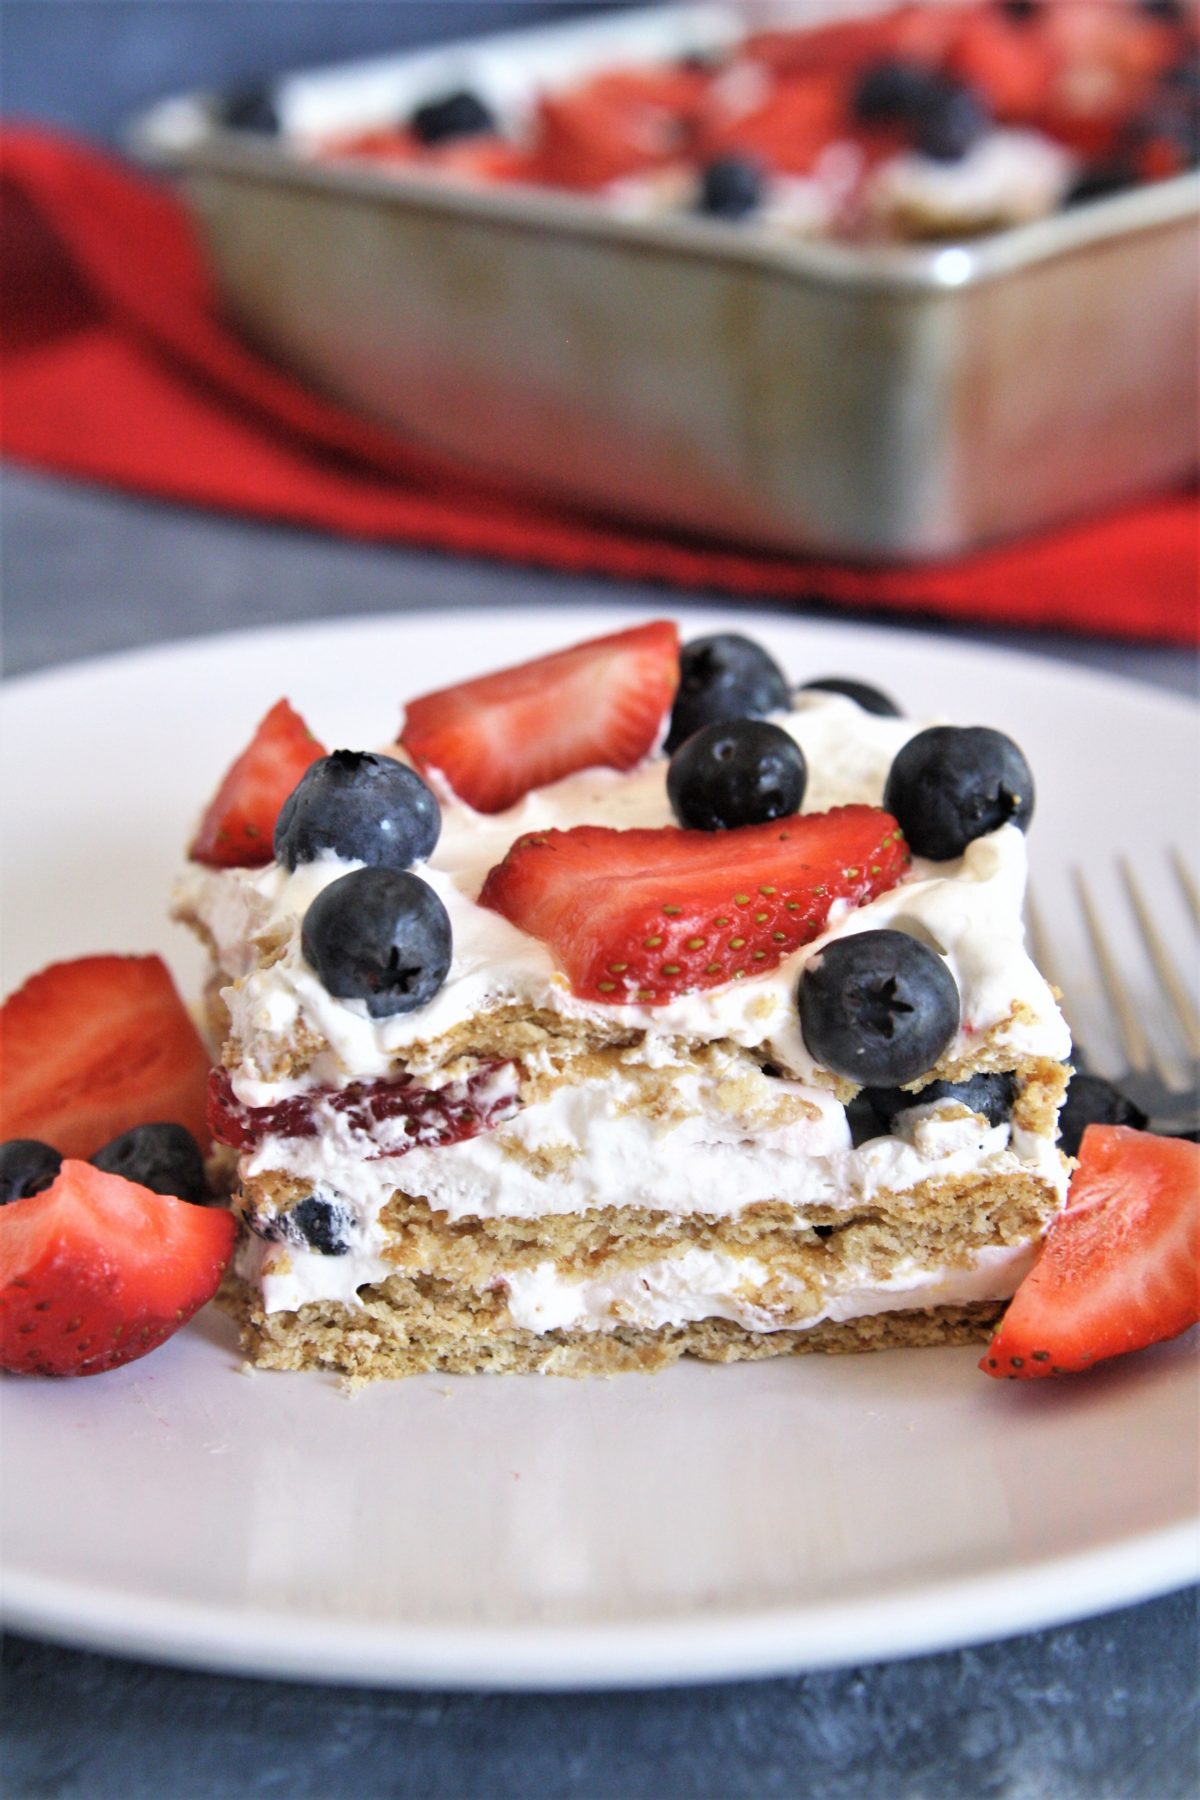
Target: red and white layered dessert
x: 630, y: 1005
x: 864, y: 123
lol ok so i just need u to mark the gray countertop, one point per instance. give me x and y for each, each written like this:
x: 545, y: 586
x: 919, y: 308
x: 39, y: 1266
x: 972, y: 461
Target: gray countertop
x: 1104, y: 1708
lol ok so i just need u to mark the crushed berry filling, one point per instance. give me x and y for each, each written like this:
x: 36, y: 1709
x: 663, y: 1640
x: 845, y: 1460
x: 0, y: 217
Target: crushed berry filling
x: 430, y: 1117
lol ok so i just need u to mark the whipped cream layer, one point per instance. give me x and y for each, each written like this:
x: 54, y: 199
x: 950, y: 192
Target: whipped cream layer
x: 591, y: 1145
x: 969, y: 909
x: 706, y: 1284
x: 672, y: 1290
x: 1007, y: 177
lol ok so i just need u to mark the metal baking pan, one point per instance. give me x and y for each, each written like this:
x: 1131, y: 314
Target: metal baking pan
x: 899, y: 403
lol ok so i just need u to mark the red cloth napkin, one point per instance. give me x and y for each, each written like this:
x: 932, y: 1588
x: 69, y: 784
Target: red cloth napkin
x: 119, y: 368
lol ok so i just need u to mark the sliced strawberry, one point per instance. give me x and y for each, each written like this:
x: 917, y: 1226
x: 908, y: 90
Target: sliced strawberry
x: 1119, y: 1269
x: 95, y: 1271
x: 601, y: 703
x: 795, y: 122
x: 237, y: 829
x: 1012, y: 63
x: 648, y: 915
x: 89, y: 1048
x: 603, y: 130
x: 430, y: 1117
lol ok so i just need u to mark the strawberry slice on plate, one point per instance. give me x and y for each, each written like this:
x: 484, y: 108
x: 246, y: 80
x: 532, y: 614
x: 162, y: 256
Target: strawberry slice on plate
x: 1120, y: 1267
x: 647, y: 915
x: 96, y: 1271
x: 237, y: 829
x: 91, y: 1047
x: 600, y: 703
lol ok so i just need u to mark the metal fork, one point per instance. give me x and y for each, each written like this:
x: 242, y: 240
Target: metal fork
x: 1162, y: 1073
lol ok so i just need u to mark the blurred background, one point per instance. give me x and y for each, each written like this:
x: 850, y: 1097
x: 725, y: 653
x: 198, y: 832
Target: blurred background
x: 89, y: 65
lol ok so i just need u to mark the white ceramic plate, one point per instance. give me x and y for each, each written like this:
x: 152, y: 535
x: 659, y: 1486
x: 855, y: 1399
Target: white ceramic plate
x: 702, y: 1523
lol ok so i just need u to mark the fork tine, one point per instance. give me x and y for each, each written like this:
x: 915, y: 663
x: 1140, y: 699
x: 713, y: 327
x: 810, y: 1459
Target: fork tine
x: 1168, y: 975
x: 1129, y: 1026
x: 1187, y: 882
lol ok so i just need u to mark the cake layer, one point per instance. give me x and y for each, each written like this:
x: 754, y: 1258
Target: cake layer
x: 410, y: 1329
x: 512, y: 1176
x: 676, y: 1141
x: 820, y: 1253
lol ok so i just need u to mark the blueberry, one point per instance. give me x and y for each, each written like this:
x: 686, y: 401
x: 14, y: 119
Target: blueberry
x: 892, y: 91
x: 737, y: 772
x: 991, y: 1095
x: 1021, y: 12
x: 26, y: 1167
x: 1166, y: 12
x: 381, y: 936
x: 952, y: 784
x: 950, y: 120
x: 164, y: 1158
x: 724, y: 677
x: 320, y: 1224
x: 731, y: 187
x: 250, y: 108
x: 1093, y: 1101
x: 361, y: 807
x: 878, y: 1007
x: 871, y: 699
x: 457, y: 115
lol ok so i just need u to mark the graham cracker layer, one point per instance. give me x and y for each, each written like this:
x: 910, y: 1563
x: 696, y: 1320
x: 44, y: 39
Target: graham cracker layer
x: 412, y: 1328
x: 940, y: 1222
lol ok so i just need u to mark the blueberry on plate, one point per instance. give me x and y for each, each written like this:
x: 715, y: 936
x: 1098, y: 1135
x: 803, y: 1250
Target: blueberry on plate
x: 250, y: 107
x: 379, y: 935
x: 1093, y: 1101
x: 991, y: 1095
x: 949, y: 121
x: 738, y: 772
x: 731, y: 187
x: 724, y: 677
x: 26, y: 1167
x: 892, y: 91
x: 878, y: 1007
x: 457, y: 115
x: 165, y: 1158
x: 870, y: 699
x: 320, y: 1224
x: 952, y: 784
x: 361, y: 807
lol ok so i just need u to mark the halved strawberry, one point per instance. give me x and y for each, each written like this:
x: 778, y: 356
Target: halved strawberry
x: 648, y: 915
x: 90, y: 1047
x: 1012, y: 63
x: 599, y: 703
x: 613, y: 126
x: 1119, y: 1269
x: 237, y: 829
x: 95, y: 1271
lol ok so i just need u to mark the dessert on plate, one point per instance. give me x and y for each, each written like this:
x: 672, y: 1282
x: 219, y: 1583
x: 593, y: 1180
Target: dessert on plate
x: 630, y: 1005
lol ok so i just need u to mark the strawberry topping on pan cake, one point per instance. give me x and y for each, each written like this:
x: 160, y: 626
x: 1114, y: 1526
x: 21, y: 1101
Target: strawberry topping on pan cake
x: 632, y: 1004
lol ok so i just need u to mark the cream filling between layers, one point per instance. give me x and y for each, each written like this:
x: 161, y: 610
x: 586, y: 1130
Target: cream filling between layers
x: 589, y: 1146
x: 699, y: 1167
x: 673, y: 1290
x: 705, y: 1284
x: 969, y: 909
